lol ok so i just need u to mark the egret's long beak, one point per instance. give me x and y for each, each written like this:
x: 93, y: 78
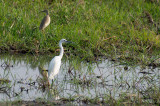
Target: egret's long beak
x: 69, y: 42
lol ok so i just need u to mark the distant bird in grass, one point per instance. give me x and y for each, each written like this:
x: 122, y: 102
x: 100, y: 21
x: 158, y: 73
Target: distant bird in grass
x: 55, y: 63
x: 46, y: 20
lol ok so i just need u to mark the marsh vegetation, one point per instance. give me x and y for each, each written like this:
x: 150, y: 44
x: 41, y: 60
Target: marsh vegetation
x: 114, y: 58
x: 101, y: 82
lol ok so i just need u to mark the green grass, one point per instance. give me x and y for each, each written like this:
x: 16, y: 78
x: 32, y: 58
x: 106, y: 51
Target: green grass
x: 117, y: 29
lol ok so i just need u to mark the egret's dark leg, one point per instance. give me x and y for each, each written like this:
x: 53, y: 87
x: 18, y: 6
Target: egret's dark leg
x: 52, y: 83
x: 48, y: 83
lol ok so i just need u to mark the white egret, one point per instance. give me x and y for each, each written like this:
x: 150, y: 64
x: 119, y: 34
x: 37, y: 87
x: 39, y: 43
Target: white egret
x: 46, y: 20
x: 55, y: 63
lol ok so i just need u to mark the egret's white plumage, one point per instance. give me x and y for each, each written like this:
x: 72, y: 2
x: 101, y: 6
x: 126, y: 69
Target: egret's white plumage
x: 55, y: 63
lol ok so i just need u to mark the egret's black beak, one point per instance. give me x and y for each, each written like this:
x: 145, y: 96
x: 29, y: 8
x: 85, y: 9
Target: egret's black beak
x: 69, y: 42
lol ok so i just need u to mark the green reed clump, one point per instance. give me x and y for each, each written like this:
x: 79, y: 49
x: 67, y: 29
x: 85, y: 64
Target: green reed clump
x: 124, y: 30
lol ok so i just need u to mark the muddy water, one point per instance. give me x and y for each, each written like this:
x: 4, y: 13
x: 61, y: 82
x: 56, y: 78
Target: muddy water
x: 21, y: 78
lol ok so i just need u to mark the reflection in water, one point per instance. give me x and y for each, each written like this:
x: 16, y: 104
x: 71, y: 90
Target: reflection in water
x: 51, y: 92
x: 76, y: 79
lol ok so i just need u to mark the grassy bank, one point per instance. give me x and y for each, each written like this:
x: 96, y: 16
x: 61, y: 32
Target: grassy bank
x: 119, y: 29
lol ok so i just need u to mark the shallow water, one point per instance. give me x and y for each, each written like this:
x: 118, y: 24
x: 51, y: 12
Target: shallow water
x: 75, y: 80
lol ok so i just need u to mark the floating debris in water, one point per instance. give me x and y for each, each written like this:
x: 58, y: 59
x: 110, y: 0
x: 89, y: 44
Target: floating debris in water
x: 6, y: 65
x: 4, y: 81
x: 126, y: 68
x: 143, y: 72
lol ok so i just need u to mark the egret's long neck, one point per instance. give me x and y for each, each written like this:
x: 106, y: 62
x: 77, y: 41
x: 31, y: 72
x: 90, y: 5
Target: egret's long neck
x: 61, y: 51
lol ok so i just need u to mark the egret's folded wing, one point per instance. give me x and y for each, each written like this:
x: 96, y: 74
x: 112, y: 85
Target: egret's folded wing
x: 54, y: 67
